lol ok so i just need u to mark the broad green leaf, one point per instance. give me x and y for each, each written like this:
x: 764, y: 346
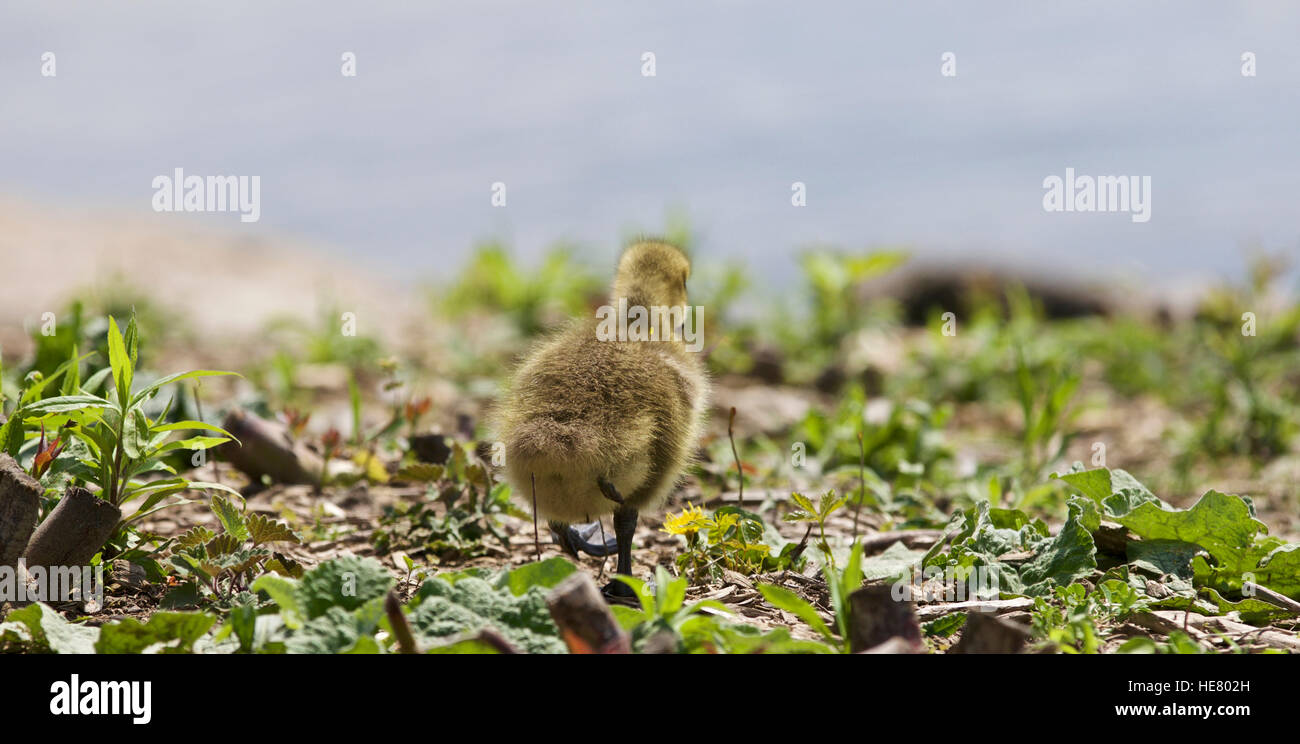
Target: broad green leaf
x: 1223, y: 525
x: 1280, y: 570
x: 120, y: 361
x: 345, y: 582
x: 670, y: 593
x: 544, y: 574
x: 1069, y: 556
x: 642, y: 592
x: 784, y: 599
x: 177, y: 631
x: 157, y: 385
x: 263, y: 529
x: 452, y: 611
x: 232, y: 520
x: 284, y: 592
x: 47, y: 629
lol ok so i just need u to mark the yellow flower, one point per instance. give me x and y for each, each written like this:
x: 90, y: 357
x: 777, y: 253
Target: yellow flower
x: 690, y: 521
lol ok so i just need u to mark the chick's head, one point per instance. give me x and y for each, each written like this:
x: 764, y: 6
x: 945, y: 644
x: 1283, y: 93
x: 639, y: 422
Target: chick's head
x: 652, y: 273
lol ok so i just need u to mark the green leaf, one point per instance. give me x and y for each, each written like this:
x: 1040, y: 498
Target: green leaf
x: 1225, y: 526
x: 120, y: 362
x: 338, y: 630
x: 64, y: 403
x: 131, y: 339
x: 72, y: 378
x: 784, y: 599
x: 176, y: 630
x: 643, y: 594
x: 452, y: 611
x: 231, y: 518
x: 189, y: 425
x: 1280, y: 570
x: 346, y: 582
x: 544, y: 574
x: 263, y: 529
x: 669, y: 593
x: 1069, y: 556
x: 45, y: 628
x: 284, y: 592
x: 157, y: 385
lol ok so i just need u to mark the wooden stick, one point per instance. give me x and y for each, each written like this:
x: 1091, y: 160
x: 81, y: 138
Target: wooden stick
x: 401, y: 628
x: 20, y: 506
x: 74, y: 531
x: 584, y: 619
x: 1281, y: 600
x: 987, y: 634
x: 876, y: 617
x: 265, y: 448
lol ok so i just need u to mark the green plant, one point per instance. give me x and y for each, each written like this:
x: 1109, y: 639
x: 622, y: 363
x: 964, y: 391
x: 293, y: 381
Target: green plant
x: 226, y: 562
x: 733, y: 539
x: 839, y: 584
x: 116, y: 443
x: 1044, y: 392
x: 817, y: 514
x: 1068, y: 622
x: 663, y: 607
x: 463, y: 509
x: 532, y: 299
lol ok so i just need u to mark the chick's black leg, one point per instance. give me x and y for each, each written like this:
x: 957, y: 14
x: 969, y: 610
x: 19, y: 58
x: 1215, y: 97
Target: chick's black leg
x: 624, y: 528
x: 572, y: 540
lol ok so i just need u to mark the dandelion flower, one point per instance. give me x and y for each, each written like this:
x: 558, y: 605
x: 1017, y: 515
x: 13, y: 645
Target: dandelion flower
x: 690, y: 521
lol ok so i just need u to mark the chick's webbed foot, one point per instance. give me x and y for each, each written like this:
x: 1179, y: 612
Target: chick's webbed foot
x: 617, y: 590
x: 572, y: 540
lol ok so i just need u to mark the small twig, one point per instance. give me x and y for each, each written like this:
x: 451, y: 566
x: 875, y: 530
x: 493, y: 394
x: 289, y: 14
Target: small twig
x: 537, y: 542
x: 740, y: 471
x: 604, y: 558
x: 802, y: 546
x: 1281, y: 600
x: 496, y: 641
x: 401, y: 628
x: 862, y: 477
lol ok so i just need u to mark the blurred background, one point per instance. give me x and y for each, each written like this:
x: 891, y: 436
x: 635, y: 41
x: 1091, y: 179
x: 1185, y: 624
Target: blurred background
x: 391, y: 169
x: 924, y: 195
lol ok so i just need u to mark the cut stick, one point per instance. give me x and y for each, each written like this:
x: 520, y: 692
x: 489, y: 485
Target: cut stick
x: 401, y: 628
x: 265, y: 448
x: 988, y: 634
x: 20, y: 506
x: 1281, y: 600
x: 994, y: 606
x: 875, y: 617
x: 74, y: 531
x: 584, y: 619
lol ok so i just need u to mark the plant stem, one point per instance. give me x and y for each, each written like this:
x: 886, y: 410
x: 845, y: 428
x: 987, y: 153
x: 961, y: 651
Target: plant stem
x: 740, y: 472
x: 862, y: 478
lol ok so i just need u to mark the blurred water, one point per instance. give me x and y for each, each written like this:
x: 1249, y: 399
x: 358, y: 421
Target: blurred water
x: 394, y: 166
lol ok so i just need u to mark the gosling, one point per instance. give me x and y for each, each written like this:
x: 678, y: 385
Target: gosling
x: 594, y: 425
